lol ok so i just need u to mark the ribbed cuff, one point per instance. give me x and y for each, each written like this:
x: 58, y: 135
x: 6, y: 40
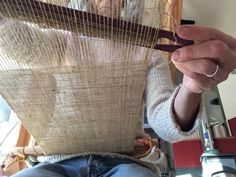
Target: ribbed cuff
x: 164, y: 124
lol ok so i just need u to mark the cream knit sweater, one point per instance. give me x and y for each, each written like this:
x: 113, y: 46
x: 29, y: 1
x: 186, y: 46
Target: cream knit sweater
x: 160, y: 95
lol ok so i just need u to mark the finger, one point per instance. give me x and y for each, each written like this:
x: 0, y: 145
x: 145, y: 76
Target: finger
x: 197, y: 66
x: 206, y: 67
x: 220, y: 75
x: 214, y: 49
x: 201, y: 33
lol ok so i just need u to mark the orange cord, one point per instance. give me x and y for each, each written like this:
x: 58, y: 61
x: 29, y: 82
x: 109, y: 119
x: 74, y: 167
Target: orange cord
x: 19, y: 157
x: 150, y: 144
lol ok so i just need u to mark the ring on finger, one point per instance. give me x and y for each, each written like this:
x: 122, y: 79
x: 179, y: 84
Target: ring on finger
x: 214, y: 73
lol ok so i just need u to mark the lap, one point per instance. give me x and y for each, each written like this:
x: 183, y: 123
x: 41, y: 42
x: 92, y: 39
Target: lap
x: 80, y: 167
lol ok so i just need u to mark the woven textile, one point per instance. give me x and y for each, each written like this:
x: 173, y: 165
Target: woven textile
x: 74, y: 93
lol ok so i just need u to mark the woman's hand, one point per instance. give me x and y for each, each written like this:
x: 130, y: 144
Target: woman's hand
x: 204, y: 65
x: 213, y: 53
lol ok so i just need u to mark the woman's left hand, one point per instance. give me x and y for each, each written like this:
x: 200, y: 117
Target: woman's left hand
x: 207, y: 62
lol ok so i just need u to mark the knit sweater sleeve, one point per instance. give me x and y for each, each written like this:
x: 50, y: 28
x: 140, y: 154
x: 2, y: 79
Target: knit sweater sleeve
x: 160, y: 95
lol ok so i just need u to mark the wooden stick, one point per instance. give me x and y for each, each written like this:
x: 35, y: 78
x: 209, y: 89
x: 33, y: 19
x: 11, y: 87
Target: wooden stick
x: 28, y: 150
x: 85, y: 23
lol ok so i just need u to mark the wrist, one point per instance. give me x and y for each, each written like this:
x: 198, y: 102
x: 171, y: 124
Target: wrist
x: 186, y: 91
x: 186, y: 106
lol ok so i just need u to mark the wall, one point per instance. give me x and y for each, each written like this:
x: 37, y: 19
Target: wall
x: 219, y: 14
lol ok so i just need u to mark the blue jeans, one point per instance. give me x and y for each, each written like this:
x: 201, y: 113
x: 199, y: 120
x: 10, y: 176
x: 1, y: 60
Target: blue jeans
x: 89, y: 166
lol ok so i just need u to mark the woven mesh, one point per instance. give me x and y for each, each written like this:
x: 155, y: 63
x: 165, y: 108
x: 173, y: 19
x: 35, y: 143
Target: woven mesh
x: 77, y: 86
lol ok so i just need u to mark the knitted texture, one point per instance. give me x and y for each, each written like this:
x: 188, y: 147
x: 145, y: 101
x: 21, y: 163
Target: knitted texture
x: 160, y: 95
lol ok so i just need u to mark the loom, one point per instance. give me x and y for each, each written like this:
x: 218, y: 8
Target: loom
x: 75, y: 74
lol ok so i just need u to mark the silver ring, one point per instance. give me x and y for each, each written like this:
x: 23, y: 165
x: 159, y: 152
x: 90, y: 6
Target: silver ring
x: 214, y: 73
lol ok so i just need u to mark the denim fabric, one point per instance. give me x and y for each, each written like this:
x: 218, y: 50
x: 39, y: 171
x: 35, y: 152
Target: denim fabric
x: 89, y: 166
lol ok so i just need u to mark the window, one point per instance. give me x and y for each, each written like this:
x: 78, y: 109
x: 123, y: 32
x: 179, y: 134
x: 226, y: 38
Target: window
x: 9, y: 128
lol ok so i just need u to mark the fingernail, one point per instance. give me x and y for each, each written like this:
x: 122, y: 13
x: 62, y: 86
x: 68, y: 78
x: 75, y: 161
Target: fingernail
x: 176, y: 55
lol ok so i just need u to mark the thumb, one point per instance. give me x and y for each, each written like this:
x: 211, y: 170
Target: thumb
x: 201, y: 34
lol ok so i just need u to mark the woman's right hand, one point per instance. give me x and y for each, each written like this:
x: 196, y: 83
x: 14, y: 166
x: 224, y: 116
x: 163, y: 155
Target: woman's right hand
x: 209, y: 61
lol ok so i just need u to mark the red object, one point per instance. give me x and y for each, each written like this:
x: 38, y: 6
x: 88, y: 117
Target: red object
x: 226, y: 145
x: 232, y: 126
x: 187, y: 153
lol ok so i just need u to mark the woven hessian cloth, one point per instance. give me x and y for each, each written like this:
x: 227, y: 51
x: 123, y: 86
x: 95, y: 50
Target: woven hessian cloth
x: 73, y: 93
x: 87, y: 107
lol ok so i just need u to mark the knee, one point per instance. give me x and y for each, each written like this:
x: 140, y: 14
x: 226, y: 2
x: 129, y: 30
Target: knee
x: 27, y: 173
x: 137, y: 170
